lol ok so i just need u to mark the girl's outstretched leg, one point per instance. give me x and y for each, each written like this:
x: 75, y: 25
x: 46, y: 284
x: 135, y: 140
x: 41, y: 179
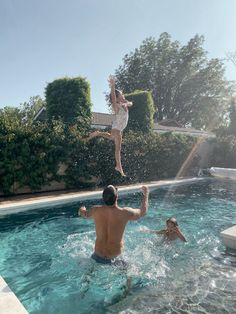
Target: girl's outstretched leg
x: 118, y: 140
x: 100, y: 134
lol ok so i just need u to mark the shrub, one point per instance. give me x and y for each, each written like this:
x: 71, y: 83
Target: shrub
x: 144, y: 157
x: 30, y: 156
x: 69, y: 99
x: 142, y: 111
x: 224, y: 152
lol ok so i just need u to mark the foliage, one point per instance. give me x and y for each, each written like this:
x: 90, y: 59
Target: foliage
x: 69, y: 99
x: 145, y: 156
x: 185, y: 85
x: 224, y: 153
x: 141, y: 113
x: 24, y: 114
x: 31, y: 108
x: 10, y: 118
x: 232, y: 116
x: 30, y: 156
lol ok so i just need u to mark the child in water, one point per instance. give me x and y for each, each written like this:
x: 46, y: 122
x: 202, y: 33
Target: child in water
x: 120, y: 107
x: 172, y: 232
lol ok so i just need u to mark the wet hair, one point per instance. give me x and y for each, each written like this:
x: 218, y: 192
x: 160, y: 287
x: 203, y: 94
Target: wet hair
x: 117, y: 93
x: 172, y: 220
x: 109, y: 195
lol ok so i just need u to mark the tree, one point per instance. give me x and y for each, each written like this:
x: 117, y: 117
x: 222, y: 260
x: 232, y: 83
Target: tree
x: 185, y: 85
x: 31, y: 108
x: 231, y: 56
x: 10, y: 117
x: 141, y: 113
x: 24, y: 114
x: 69, y: 99
x: 232, y: 116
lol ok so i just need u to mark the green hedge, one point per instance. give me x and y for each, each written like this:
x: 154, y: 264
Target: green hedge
x: 142, y: 111
x: 69, y: 99
x: 30, y: 155
x: 144, y: 157
x: 224, y: 152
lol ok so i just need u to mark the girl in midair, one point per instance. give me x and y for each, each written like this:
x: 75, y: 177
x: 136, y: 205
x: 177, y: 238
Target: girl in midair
x: 120, y: 107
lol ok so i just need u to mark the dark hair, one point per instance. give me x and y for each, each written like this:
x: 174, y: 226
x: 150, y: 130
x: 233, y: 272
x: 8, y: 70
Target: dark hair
x: 117, y: 93
x: 173, y: 220
x: 109, y: 195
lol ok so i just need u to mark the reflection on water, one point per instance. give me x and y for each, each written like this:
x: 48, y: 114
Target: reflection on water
x: 45, y: 257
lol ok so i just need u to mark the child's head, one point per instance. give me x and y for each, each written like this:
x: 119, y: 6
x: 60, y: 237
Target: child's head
x: 119, y: 96
x: 171, y: 222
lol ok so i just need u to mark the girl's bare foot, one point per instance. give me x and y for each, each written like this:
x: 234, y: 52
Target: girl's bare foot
x: 120, y: 170
x: 93, y: 134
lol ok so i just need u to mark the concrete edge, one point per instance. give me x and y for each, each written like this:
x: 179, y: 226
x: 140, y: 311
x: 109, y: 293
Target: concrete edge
x: 25, y: 205
x: 9, y: 303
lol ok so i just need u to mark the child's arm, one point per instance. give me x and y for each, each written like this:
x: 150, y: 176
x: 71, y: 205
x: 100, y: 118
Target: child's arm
x: 160, y: 232
x: 148, y: 231
x: 180, y: 235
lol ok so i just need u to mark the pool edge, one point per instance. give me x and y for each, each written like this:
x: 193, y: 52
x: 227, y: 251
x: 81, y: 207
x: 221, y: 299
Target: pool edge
x: 25, y: 205
x: 9, y: 303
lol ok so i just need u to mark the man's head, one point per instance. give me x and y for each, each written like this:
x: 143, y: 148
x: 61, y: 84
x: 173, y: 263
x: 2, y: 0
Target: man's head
x: 171, y: 222
x: 110, y: 195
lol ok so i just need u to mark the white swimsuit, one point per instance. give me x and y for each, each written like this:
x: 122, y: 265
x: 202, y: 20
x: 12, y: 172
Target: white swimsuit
x: 120, y: 119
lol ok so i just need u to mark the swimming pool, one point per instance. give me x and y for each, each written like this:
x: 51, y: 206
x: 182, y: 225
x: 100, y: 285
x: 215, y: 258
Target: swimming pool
x: 44, y: 257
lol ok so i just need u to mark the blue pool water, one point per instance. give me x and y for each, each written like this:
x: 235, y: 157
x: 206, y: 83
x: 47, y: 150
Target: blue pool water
x: 45, y: 257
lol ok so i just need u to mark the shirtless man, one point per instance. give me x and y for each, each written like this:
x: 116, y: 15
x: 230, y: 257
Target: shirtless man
x: 110, y: 221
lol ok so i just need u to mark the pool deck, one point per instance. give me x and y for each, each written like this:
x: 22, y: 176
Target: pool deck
x: 9, y: 304
x: 229, y: 237
x: 29, y: 202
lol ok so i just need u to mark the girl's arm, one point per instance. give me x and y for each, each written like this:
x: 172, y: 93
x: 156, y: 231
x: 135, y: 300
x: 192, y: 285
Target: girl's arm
x: 154, y: 231
x: 160, y: 232
x: 113, y: 94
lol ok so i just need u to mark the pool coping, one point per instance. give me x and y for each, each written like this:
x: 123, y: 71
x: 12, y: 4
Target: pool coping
x: 11, y: 207
x: 9, y: 303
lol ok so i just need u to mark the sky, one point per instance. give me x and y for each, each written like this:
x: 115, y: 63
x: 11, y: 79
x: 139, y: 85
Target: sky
x: 49, y: 39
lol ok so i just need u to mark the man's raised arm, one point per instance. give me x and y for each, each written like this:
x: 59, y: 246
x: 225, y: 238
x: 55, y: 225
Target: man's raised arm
x: 135, y: 214
x: 83, y: 212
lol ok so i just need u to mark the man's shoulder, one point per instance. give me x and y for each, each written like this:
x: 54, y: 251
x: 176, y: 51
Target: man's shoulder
x: 124, y: 208
x: 127, y: 210
x: 98, y: 207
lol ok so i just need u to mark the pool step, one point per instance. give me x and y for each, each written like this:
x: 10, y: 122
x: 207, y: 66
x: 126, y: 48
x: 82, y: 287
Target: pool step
x: 229, y: 237
x: 9, y: 304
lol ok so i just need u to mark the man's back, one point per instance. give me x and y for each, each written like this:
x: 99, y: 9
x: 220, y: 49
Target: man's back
x: 110, y: 222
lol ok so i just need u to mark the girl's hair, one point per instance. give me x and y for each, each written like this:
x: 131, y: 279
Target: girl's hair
x: 117, y: 93
x: 173, y: 220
